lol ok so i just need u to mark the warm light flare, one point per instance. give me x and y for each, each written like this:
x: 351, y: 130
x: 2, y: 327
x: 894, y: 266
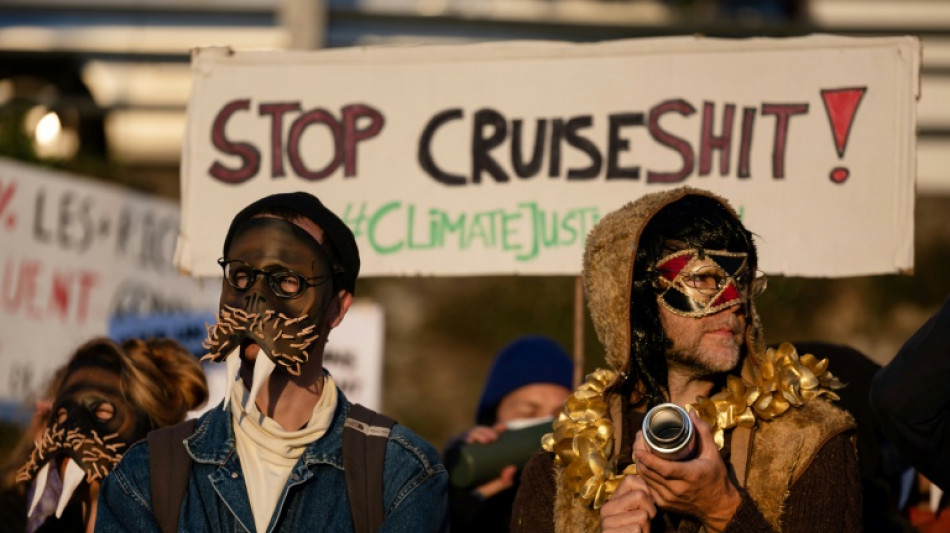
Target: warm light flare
x: 48, y: 129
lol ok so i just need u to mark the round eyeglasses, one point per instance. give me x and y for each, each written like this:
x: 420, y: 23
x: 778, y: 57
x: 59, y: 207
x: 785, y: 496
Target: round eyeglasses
x: 709, y: 280
x: 283, y: 282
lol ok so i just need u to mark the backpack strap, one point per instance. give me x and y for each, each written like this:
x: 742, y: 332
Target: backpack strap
x: 169, y: 465
x: 365, y: 434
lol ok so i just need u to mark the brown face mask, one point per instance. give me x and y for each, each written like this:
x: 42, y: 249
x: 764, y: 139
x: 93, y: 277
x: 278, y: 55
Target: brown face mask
x: 276, y: 290
x: 90, y: 426
x: 283, y: 339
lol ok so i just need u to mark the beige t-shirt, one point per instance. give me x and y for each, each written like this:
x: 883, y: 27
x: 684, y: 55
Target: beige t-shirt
x: 268, y: 452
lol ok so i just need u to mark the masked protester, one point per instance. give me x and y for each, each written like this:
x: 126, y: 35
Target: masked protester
x: 106, y: 398
x: 670, y: 281
x: 272, y: 456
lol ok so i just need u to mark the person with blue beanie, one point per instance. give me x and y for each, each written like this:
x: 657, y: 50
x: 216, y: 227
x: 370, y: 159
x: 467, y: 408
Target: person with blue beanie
x: 529, y: 380
x: 527, y: 361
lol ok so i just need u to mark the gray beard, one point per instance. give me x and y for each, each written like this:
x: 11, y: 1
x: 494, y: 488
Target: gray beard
x: 691, y: 362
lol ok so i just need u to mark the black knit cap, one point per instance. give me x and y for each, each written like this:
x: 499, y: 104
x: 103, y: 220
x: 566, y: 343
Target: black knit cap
x: 308, y: 206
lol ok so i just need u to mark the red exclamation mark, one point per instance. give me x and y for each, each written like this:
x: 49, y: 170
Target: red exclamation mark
x: 841, y: 105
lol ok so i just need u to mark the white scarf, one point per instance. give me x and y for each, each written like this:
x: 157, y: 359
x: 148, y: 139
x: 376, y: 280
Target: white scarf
x: 268, y: 452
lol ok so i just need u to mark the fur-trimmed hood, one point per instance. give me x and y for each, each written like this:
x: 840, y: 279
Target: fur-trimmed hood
x: 782, y: 448
x: 609, y: 257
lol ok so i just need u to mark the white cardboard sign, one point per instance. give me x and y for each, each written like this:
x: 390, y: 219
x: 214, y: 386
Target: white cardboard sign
x: 74, y: 254
x: 498, y: 158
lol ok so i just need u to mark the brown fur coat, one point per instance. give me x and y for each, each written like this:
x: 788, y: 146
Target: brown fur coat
x: 782, y: 450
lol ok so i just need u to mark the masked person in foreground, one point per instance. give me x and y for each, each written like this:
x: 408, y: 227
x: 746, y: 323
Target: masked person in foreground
x: 669, y: 281
x: 105, y: 399
x: 274, y: 455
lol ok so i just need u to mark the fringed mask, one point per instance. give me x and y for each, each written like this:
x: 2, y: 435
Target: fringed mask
x: 277, y: 285
x: 91, y: 424
x: 696, y: 283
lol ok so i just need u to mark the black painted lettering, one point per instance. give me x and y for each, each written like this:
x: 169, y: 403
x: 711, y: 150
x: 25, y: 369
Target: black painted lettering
x: 531, y: 168
x: 424, y: 154
x: 618, y: 144
x: 575, y: 139
x: 488, y: 132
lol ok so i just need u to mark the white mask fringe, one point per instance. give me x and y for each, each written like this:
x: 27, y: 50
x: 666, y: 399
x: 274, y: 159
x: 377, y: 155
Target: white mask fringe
x: 72, y: 479
x: 263, y: 367
x: 39, y: 487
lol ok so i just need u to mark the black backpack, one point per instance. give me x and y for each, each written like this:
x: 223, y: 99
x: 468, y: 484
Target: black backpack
x: 365, y: 435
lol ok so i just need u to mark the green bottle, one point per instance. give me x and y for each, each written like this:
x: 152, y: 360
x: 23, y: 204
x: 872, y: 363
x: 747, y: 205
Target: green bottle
x: 474, y: 464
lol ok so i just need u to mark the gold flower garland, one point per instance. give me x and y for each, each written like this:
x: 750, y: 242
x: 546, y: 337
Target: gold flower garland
x: 582, y: 438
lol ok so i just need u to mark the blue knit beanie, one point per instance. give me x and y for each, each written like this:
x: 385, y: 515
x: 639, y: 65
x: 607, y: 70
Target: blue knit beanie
x: 525, y: 361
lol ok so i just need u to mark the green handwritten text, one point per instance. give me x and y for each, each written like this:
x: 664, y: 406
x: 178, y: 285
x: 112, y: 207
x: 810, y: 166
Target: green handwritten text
x: 525, y: 230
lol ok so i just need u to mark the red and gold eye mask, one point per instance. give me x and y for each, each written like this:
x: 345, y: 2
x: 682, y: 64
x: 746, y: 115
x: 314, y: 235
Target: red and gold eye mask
x: 695, y: 283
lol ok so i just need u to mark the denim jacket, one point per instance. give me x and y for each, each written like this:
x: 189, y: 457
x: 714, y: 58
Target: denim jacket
x: 313, y: 499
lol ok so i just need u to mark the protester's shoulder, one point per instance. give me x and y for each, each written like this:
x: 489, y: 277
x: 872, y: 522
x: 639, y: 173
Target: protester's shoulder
x: 135, y: 463
x: 406, y: 443
x: 805, y: 429
x: 132, y: 472
x: 405, y: 450
x: 819, y: 415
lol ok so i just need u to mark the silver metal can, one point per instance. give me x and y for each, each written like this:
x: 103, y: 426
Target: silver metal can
x: 669, y: 433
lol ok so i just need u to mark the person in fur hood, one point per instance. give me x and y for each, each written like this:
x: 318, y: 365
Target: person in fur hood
x: 670, y: 281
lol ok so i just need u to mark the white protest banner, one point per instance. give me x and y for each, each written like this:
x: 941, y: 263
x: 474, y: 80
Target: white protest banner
x: 74, y: 254
x: 497, y: 158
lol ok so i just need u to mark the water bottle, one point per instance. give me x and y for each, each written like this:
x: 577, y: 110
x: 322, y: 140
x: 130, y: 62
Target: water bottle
x: 474, y: 464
